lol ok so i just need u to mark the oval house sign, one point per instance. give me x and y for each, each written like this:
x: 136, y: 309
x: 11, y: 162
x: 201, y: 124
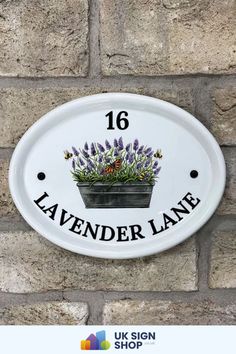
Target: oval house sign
x: 117, y: 175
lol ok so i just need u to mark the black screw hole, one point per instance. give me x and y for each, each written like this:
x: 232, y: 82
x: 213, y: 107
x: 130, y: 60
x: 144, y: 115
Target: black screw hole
x: 194, y: 174
x: 41, y: 176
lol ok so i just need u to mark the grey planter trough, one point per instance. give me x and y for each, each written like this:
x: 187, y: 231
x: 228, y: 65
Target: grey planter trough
x: 118, y: 195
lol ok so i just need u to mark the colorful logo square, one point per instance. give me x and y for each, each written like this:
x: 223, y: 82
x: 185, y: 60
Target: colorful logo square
x: 97, y: 342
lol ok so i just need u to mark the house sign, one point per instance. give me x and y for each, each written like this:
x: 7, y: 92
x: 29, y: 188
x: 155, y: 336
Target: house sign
x: 117, y: 175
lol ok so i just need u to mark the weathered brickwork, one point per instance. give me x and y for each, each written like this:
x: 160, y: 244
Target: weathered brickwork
x: 228, y: 203
x: 167, y: 37
x: 52, y: 313
x: 223, y: 260
x: 7, y: 207
x: 168, y: 313
x: 31, y: 264
x: 183, y: 52
x: 44, y: 38
x: 223, y: 119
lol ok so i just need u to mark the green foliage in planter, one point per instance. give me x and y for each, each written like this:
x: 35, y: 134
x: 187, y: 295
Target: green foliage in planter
x: 111, y: 163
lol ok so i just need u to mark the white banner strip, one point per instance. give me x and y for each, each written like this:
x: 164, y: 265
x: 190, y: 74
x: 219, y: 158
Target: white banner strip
x: 114, y: 339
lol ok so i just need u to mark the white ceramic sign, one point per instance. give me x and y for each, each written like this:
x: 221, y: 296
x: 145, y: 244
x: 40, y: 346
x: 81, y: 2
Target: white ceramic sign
x: 117, y: 175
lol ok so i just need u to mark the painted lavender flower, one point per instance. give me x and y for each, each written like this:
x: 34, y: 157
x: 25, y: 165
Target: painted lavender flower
x: 121, y: 144
x: 114, y: 162
x: 86, y: 155
x: 156, y: 172
x: 116, y: 143
x: 148, y: 150
x: 93, y: 150
x: 147, y: 163
x: 155, y: 165
x: 131, y: 158
x: 139, y: 165
x: 90, y: 165
x: 116, y: 152
x: 108, y: 145
x: 101, y: 148
x: 128, y: 147
x: 81, y: 162
x: 140, y: 150
x: 136, y: 145
x: 75, y: 151
x: 150, y: 154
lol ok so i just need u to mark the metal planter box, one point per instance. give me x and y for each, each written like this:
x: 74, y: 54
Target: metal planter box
x: 118, y: 195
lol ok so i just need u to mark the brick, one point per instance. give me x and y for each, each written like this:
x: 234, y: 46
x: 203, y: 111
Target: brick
x: 44, y: 38
x: 228, y: 203
x: 20, y: 108
x: 133, y: 312
x: 7, y: 207
x: 222, y: 260
x: 52, y: 313
x: 201, y: 37
x: 30, y: 263
x: 167, y: 37
x: 223, y: 120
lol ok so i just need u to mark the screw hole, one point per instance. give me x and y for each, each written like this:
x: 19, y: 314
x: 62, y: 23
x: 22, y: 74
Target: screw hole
x: 194, y: 174
x: 41, y: 176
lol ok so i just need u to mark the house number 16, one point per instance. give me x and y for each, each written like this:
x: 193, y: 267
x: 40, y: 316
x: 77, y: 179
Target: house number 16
x: 122, y: 123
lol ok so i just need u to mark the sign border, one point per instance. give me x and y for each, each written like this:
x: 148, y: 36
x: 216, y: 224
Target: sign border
x: 49, y: 119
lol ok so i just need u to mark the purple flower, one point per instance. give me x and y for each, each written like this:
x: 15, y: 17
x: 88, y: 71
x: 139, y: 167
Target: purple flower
x: 73, y: 164
x: 136, y: 145
x: 75, y: 151
x: 131, y: 158
x: 157, y: 171
x: 116, y: 153
x: 108, y: 160
x: 81, y: 162
x: 128, y: 147
x: 121, y: 145
x: 86, y: 155
x: 108, y: 145
x: 100, y: 158
x: 140, y: 150
x: 86, y: 146
x: 150, y: 154
x: 101, y: 148
x: 93, y: 150
x: 139, y: 165
x: 155, y: 165
x: 90, y: 165
x: 116, y: 143
x: 148, y: 150
x: 147, y: 163
x: 127, y: 156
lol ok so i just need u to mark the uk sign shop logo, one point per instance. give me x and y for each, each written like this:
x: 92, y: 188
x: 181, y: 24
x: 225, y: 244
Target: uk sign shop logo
x: 97, y: 342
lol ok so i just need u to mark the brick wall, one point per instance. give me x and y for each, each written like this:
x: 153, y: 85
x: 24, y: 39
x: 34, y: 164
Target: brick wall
x: 180, y: 51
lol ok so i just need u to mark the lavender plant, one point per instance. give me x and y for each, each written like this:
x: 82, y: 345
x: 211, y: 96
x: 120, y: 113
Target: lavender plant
x: 116, y: 162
